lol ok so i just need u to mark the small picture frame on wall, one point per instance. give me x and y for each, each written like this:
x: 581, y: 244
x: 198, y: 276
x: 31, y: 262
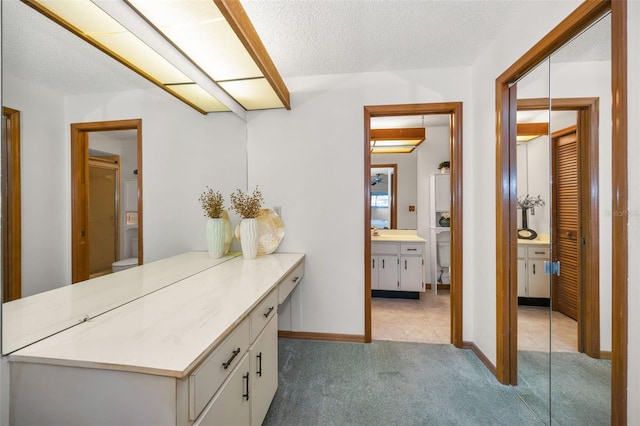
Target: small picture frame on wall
x: 131, y: 218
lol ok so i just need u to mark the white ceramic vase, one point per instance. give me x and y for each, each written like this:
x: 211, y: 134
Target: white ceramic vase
x: 249, y: 237
x: 216, y: 236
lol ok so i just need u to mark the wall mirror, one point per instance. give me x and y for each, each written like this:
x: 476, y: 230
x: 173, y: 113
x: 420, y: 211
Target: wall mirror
x: 44, y: 68
x: 564, y: 333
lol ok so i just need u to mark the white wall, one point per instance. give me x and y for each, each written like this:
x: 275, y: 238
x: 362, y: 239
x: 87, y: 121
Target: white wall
x: 324, y: 131
x: 46, y: 223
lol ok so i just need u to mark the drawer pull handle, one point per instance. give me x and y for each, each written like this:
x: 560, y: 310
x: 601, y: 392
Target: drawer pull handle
x: 539, y: 252
x: 228, y: 363
x: 246, y: 394
x: 266, y: 315
x: 412, y: 249
x: 295, y: 280
x: 259, y: 372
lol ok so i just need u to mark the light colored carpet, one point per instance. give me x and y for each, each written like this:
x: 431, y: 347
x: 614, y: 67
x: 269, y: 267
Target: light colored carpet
x: 580, y: 387
x: 389, y: 383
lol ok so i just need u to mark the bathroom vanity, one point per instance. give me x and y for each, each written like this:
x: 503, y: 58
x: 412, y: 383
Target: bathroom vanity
x: 397, y: 263
x: 534, y: 287
x: 202, y: 350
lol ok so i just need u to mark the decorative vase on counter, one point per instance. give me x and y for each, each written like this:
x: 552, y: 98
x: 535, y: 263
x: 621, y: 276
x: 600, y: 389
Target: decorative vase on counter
x: 249, y: 240
x: 216, y: 237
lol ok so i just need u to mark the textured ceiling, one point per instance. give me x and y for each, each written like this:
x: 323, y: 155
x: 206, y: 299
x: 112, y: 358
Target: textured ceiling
x: 303, y: 38
x: 338, y: 36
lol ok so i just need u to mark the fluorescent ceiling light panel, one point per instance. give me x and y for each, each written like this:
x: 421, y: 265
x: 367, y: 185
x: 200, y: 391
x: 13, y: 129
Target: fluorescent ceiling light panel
x: 392, y: 150
x: 205, y: 52
x: 201, y: 98
x: 199, y: 29
x: 253, y: 94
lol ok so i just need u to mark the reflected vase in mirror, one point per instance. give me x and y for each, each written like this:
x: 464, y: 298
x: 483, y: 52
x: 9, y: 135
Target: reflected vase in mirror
x: 525, y: 233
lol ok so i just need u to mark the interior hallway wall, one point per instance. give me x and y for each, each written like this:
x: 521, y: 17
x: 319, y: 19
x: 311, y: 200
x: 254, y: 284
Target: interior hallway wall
x: 323, y: 132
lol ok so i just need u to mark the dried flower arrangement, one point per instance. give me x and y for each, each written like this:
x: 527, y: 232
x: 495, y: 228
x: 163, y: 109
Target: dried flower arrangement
x: 528, y: 202
x: 212, y: 203
x: 247, y: 206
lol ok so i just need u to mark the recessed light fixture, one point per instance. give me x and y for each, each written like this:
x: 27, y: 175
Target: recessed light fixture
x: 206, y: 53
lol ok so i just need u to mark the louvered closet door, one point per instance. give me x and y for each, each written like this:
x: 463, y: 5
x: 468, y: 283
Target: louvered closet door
x: 567, y: 220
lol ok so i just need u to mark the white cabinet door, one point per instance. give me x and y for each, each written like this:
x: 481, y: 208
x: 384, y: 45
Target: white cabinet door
x: 538, y: 282
x: 411, y: 273
x: 230, y: 406
x: 522, y: 278
x: 375, y: 265
x: 388, y: 273
x: 264, y: 371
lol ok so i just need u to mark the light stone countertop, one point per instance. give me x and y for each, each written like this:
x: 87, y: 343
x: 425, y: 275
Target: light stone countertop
x: 400, y: 236
x: 169, y: 331
x: 32, y: 318
x: 541, y: 240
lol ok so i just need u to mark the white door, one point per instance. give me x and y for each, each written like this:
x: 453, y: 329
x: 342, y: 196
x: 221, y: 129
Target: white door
x: 388, y: 273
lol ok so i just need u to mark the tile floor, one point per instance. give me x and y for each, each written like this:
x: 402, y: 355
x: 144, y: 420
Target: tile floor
x: 427, y: 320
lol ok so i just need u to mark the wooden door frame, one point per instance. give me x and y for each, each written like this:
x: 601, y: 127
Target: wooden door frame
x: 393, y: 219
x: 506, y: 196
x: 80, y: 191
x: 454, y: 110
x: 588, y: 117
x: 11, y: 208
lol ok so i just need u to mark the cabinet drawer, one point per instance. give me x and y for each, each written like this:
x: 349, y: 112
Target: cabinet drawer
x: 538, y: 252
x: 207, y: 378
x: 384, y: 248
x: 411, y: 248
x: 261, y: 315
x: 287, y: 285
x: 521, y: 251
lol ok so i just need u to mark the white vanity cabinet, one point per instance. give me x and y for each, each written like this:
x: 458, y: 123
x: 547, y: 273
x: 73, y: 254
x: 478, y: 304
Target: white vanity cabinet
x: 384, y: 266
x: 532, y: 281
x: 397, y: 266
x: 203, y: 351
x: 411, y: 267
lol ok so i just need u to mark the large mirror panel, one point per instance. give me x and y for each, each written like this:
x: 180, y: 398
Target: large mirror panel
x: 581, y: 182
x: 53, y: 79
x: 564, y: 370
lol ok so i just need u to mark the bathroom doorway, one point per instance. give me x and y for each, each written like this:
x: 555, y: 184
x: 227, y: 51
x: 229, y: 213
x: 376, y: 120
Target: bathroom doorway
x: 129, y: 222
x: 454, y: 111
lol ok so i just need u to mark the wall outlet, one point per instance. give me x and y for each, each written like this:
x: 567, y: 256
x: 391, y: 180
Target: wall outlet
x: 278, y: 210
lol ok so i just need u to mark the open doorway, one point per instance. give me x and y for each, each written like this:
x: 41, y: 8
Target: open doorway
x: 454, y: 111
x: 125, y: 213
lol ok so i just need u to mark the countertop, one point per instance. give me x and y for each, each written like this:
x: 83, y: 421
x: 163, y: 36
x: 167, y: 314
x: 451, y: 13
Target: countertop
x: 390, y: 236
x: 542, y: 240
x: 169, y: 331
x: 32, y: 318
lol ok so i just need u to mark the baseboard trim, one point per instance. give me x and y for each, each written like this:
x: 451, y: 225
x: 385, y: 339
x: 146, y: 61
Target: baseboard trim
x: 605, y: 355
x: 427, y: 286
x: 307, y: 335
x: 481, y: 356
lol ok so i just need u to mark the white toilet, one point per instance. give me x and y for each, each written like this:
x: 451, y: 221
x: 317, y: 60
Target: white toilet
x: 129, y: 262
x: 444, y: 258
